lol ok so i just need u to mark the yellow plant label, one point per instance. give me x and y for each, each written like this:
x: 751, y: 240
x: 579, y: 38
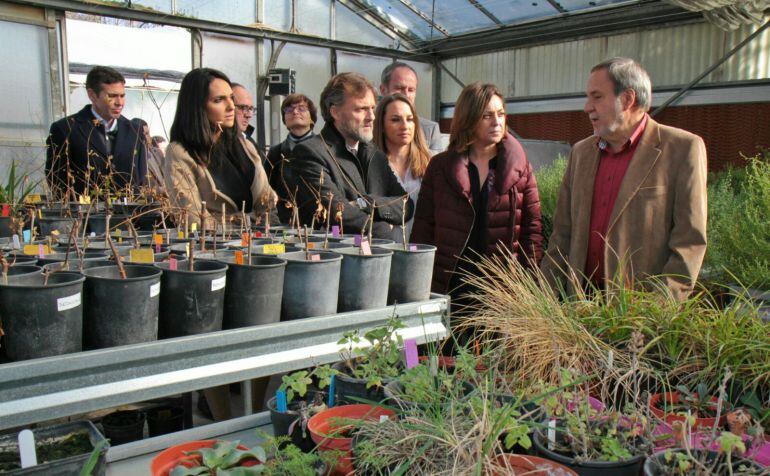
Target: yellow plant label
x: 84, y: 199
x: 274, y: 249
x: 311, y: 246
x: 34, y: 250
x: 142, y: 255
x: 36, y: 198
x: 194, y: 227
x: 180, y: 235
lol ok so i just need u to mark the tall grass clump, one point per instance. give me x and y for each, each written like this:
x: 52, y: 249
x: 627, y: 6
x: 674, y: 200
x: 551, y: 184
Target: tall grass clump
x: 548, y: 185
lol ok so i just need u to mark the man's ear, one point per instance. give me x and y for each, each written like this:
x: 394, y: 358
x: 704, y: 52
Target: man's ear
x: 92, y: 95
x: 628, y: 99
x: 334, y: 112
x: 383, y: 90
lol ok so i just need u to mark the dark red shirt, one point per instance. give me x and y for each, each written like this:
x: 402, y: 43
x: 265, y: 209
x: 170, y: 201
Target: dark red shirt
x: 609, y: 175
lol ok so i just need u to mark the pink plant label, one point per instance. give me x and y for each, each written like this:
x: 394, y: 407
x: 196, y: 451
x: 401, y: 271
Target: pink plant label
x: 6, y: 210
x: 357, y: 240
x: 157, y: 248
x: 315, y: 257
x: 366, y: 250
x: 40, y: 251
x: 412, y: 247
x: 410, y: 352
x: 336, y: 231
x: 172, y: 264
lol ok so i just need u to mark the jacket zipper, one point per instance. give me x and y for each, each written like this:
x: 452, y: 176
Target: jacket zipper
x: 467, y: 237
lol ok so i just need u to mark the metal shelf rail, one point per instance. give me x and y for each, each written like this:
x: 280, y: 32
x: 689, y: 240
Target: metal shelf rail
x: 44, y: 389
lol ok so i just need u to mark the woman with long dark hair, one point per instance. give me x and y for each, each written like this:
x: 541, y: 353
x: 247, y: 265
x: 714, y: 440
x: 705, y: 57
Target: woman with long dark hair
x: 480, y: 196
x: 207, y: 159
x: 398, y: 134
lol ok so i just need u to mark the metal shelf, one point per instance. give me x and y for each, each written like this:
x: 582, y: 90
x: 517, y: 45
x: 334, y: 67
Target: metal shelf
x: 55, y: 387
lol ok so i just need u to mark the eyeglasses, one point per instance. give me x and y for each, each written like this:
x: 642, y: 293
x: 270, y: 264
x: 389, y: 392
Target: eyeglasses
x: 295, y: 108
x: 244, y: 108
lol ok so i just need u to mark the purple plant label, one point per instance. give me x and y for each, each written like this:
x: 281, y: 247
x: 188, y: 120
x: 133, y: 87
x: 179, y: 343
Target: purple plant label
x: 16, y: 242
x: 157, y: 248
x: 336, y: 231
x: 280, y: 401
x: 410, y: 352
x: 412, y: 247
x: 357, y: 240
x: 40, y: 251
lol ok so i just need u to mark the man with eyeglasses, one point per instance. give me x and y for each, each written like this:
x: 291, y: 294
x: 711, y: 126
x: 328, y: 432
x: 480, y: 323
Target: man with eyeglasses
x: 244, y: 111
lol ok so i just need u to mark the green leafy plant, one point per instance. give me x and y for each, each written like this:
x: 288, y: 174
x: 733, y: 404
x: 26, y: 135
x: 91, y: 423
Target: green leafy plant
x: 285, y: 459
x: 224, y: 459
x: 296, y: 384
x: 549, y: 180
x: 380, y: 358
x: 700, y: 402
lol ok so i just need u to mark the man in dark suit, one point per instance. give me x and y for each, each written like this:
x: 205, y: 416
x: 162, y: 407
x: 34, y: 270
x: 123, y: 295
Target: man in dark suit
x: 97, y: 146
x: 401, y: 78
x: 341, y: 162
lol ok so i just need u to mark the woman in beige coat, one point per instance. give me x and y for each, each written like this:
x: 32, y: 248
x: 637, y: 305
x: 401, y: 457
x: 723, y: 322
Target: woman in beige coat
x: 207, y: 159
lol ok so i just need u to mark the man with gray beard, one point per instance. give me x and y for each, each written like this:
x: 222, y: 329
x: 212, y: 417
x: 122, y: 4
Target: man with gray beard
x: 342, y: 163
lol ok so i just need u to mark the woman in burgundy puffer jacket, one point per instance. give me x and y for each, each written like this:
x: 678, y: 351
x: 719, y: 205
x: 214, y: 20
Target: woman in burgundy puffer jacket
x: 478, y: 194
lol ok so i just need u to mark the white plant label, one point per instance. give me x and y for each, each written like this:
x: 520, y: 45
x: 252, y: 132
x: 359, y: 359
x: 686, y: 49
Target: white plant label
x: 154, y: 290
x: 68, y: 302
x: 219, y: 283
x: 551, y: 434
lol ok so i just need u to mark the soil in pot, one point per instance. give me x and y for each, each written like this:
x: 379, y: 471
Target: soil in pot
x: 411, y: 271
x: 191, y: 302
x: 120, y: 311
x: 164, y: 420
x: 363, y: 279
x: 628, y: 467
x: 310, y: 285
x: 666, y: 405
x: 330, y: 437
x: 123, y: 426
x: 42, y: 316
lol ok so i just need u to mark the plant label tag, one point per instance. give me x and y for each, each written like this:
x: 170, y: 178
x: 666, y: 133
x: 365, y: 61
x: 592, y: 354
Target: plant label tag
x: 157, y: 248
x: 410, y: 352
x: 33, y: 198
x: 157, y: 239
x: 433, y: 365
x: 311, y: 246
x: 27, y: 452
x: 239, y: 257
x: 180, y: 235
x: 315, y: 257
x: 274, y: 249
x: 142, y: 255
x: 357, y: 240
x: 258, y: 234
x: 6, y: 210
x: 331, y: 391
x: 219, y: 283
x: 412, y: 247
x: 68, y: 302
x: 84, y: 199
x: 16, y: 242
x: 280, y: 401
x: 154, y: 289
x: 551, y: 434
x: 92, y: 234
x: 366, y: 250
x: 245, y: 239
x: 187, y: 249
x: 36, y: 250
x: 26, y: 235
x: 336, y: 231
x: 383, y: 418
x: 194, y: 227
x: 172, y: 264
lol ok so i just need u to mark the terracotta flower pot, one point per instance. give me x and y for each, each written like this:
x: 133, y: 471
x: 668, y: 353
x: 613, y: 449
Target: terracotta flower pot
x: 529, y: 465
x: 321, y: 426
x: 659, y: 401
x: 170, y: 458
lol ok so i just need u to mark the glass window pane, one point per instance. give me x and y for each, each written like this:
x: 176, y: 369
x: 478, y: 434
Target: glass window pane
x: 314, y: 17
x: 235, y: 56
x: 404, y: 19
x: 235, y: 12
x: 278, y: 14
x: 572, y: 5
x: 457, y: 16
x: 353, y: 28
x: 519, y: 10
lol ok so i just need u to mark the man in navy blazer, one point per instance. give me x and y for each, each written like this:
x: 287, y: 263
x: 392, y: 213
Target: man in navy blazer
x: 96, y: 146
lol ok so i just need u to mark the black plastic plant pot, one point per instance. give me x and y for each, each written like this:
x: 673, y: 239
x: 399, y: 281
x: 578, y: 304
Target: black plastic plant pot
x: 283, y: 421
x: 98, y: 223
x: 319, y: 246
x: 42, y: 319
x: 411, y: 271
x: 87, y: 256
x: 310, y: 287
x: 656, y: 465
x: 61, y: 450
x: 123, y: 426
x: 16, y: 259
x: 62, y: 225
x: 20, y: 274
x: 351, y: 389
x: 254, y: 291
x: 5, y: 227
x: 191, y: 302
x: 123, y: 249
x: 375, y: 241
x: 363, y: 279
x: 120, y: 311
x: 627, y: 467
x: 164, y: 420
x: 74, y: 265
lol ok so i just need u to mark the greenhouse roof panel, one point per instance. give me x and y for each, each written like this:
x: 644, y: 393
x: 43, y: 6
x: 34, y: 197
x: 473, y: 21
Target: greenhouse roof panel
x: 520, y: 10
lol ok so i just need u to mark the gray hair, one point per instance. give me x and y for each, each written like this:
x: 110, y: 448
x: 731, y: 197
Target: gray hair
x: 626, y: 73
x: 388, y: 71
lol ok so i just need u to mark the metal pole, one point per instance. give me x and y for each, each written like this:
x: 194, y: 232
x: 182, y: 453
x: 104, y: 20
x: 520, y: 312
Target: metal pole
x: 709, y: 70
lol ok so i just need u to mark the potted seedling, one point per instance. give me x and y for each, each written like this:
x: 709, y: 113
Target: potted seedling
x: 701, y: 462
x: 208, y: 457
x: 12, y: 198
x: 700, y: 403
x: 286, y: 459
x: 426, y: 386
x: 300, y: 404
x: 367, y: 368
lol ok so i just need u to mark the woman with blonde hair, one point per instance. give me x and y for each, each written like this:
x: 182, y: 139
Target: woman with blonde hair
x: 480, y: 196
x: 398, y: 134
